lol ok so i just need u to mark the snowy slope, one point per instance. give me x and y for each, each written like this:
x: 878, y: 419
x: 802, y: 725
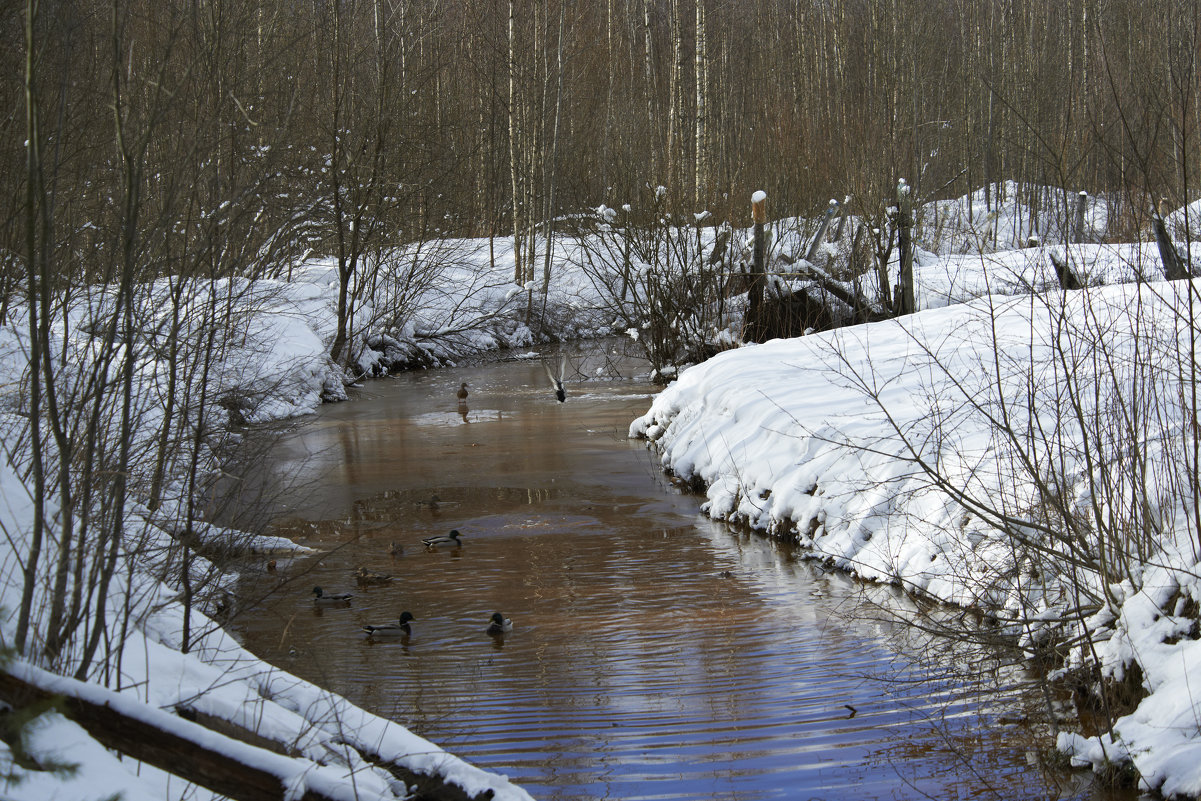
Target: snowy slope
x: 881, y: 450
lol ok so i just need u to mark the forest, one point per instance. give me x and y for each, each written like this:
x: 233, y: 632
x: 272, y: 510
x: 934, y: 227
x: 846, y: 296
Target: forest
x: 235, y: 137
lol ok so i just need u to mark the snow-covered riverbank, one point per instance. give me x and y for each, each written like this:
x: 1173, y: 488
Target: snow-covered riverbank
x: 986, y: 454
x: 901, y: 451
x: 167, y: 657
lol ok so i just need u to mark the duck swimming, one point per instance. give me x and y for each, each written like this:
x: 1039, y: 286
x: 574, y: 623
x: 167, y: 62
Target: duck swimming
x: 337, y: 599
x: 398, y: 629
x: 462, y: 393
x: 364, y: 576
x: 499, y: 624
x: 444, y: 540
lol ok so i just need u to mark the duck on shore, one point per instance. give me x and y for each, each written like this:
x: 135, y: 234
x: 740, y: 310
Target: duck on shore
x: 400, y: 628
x: 450, y: 540
x: 336, y: 599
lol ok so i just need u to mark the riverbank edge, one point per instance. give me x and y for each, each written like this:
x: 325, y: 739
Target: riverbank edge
x: 775, y: 449
x: 256, y: 714
x: 1113, y: 767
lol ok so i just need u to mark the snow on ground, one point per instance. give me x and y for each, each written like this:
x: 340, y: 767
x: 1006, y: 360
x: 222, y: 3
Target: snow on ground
x: 333, y: 745
x: 1184, y: 224
x: 783, y: 433
x: 1006, y: 216
x: 438, y: 303
x: 880, y: 449
x: 273, y: 362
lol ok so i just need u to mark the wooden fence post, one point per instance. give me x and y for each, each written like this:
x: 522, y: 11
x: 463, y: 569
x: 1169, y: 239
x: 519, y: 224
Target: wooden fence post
x: 1081, y: 206
x: 906, y: 299
x: 758, y: 269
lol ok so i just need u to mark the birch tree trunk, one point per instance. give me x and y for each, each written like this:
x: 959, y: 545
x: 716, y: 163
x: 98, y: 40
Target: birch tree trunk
x: 649, y: 86
x: 514, y: 166
x: 675, y: 112
x: 701, y: 163
x: 549, y: 168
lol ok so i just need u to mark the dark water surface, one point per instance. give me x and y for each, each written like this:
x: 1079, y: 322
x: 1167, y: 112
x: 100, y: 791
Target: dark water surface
x: 654, y: 654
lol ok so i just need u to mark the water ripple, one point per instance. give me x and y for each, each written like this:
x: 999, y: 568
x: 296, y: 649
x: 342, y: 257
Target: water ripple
x: 654, y: 655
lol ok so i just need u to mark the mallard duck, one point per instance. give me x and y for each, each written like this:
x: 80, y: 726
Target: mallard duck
x: 462, y: 393
x: 444, y: 540
x: 396, y: 549
x: 499, y: 624
x: 364, y: 576
x: 398, y: 629
x: 337, y: 599
x: 557, y: 382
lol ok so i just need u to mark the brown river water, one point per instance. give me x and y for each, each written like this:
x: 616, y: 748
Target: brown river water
x: 654, y: 654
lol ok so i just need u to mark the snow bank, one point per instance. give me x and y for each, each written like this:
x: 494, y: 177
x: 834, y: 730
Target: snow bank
x: 1004, y: 216
x: 266, y: 359
x: 1184, y: 224
x: 879, y: 450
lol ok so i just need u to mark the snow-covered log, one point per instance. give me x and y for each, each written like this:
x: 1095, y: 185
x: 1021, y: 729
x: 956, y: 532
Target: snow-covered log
x: 223, y: 763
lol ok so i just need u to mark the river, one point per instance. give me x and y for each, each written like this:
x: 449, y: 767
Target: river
x: 654, y: 654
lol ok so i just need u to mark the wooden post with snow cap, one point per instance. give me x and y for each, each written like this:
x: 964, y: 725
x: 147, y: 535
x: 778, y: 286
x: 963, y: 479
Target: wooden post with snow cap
x: 905, y: 296
x: 1081, y: 207
x: 758, y: 269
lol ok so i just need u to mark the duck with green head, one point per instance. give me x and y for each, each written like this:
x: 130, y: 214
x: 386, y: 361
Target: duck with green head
x: 450, y: 540
x: 499, y: 624
x: 336, y: 599
x: 400, y: 628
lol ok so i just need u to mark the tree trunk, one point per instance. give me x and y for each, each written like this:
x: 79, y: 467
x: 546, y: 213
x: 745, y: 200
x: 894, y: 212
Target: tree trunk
x: 701, y: 162
x: 548, y: 169
x: 1174, y: 267
x: 514, y: 167
x: 1081, y: 207
x: 649, y: 83
x: 36, y: 223
x: 675, y: 114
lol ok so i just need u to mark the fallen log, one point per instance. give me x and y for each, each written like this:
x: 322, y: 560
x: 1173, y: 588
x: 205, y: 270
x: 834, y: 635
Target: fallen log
x: 219, y: 762
x: 863, y: 311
